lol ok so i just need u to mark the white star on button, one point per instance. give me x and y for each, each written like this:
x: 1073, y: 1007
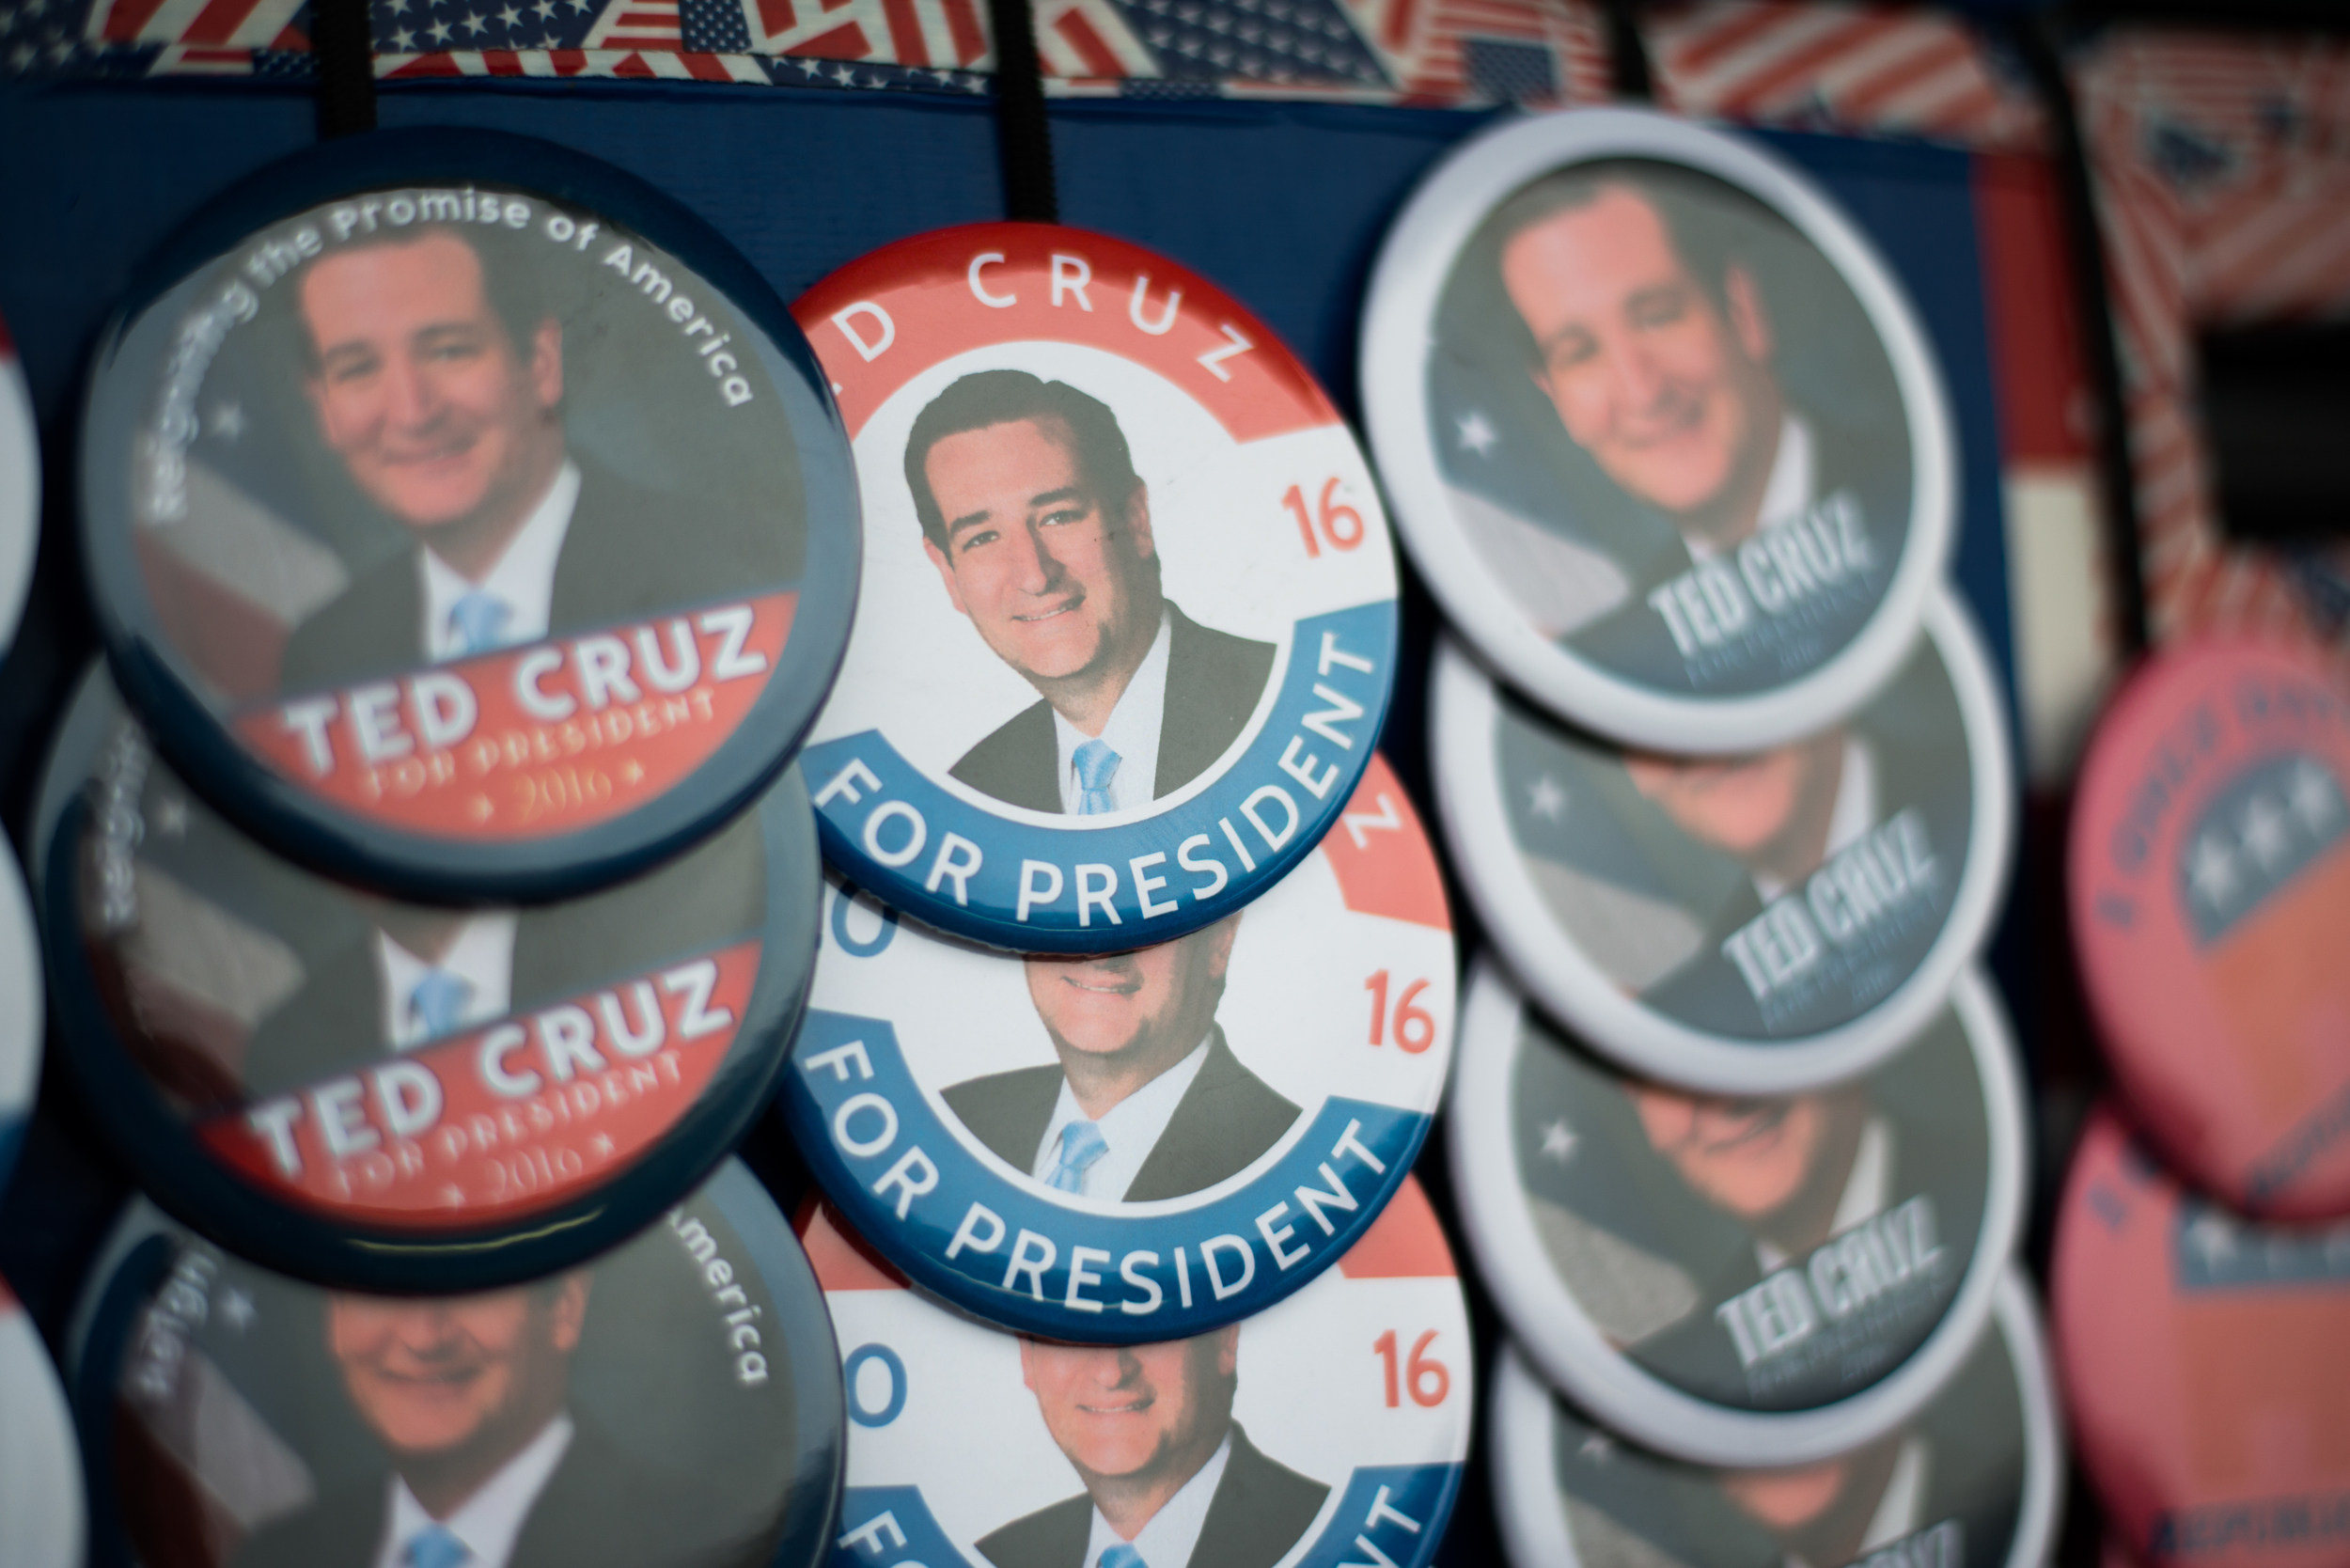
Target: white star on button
x: 1559, y: 1141
x: 2313, y: 796
x: 2263, y: 831
x: 1544, y: 798
x: 227, y: 421
x: 236, y: 1309
x: 1476, y: 435
x: 1597, y: 1447
x: 2212, y: 1237
x: 2211, y: 870
x: 171, y: 816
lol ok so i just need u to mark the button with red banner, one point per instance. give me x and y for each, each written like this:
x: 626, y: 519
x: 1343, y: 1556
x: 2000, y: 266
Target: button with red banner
x: 1127, y: 627
x: 1134, y: 1146
x: 465, y: 517
x: 1329, y: 1429
x: 20, y: 487
x: 675, y: 1402
x: 399, y: 1096
x: 41, y: 1522
x: 2201, y: 1358
x: 2210, y: 884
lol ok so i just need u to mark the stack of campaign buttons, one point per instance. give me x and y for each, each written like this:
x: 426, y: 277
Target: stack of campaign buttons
x: 1330, y: 1429
x: 675, y: 1400
x: 1725, y: 773
x: 431, y: 895
x: 41, y: 1519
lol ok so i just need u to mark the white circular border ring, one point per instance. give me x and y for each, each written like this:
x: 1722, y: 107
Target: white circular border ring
x: 19, y: 489
x: 1578, y: 1361
x: 1462, y: 710
x: 1407, y: 283
x: 1525, y: 1480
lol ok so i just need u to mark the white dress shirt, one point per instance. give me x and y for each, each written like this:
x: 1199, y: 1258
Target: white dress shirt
x: 1132, y: 1128
x: 1133, y: 733
x: 1173, y: 1533
x: 482, y: 956
x: 488, y: 1521
x: 1854, y: 813
x: 523, y: 579
x: 1790, y: 489
x: 1867, y: 1188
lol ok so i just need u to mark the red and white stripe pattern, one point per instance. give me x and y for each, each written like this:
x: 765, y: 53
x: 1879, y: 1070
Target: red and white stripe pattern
x: 640, y: 63
x: 2223, y: 171
x: 1424, y: 44
x: 1861, y: 67
x: 951, y: 33
x: 201, y: 36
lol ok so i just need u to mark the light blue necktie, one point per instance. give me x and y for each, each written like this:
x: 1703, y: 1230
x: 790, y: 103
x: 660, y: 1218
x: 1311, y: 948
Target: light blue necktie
x: 1097, y: 764
x: 436, y: 1547
x: 1081, y: 1144
x: 438, y: 1001
x: 1123, y: 1555
x: 479, y: 621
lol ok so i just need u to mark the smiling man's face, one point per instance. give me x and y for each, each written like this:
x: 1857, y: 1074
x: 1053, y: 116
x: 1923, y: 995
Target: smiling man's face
x: 1129, y: 1412
x: 1054, y: 575
x: 1147, y: 1005
x: 434, y: 1377
x: 1748, y: 1156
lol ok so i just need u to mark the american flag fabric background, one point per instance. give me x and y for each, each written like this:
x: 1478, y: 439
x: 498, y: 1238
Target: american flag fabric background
x: 1437, y: 53
x: 2223, y: 181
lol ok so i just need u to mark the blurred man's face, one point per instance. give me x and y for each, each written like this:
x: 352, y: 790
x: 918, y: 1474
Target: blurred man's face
x: 1669, y: 396
x: 1747, y: 1157
x: 1050, y: 573
x: 1131, y: 1411
x: 434, y: 1376
x: 1156, y: 1002
x: 1742, y: 806
x: 1786, y: 1501
x: 418, y: 389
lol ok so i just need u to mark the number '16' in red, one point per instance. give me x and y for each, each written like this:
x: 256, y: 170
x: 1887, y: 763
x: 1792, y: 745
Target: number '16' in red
x: 1342, y: 524
x: 1414, y: 1029
x: 1427, y: 1377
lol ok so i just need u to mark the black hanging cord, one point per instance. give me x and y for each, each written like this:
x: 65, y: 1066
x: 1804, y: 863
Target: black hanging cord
x: 2038, y: 43
x: 1024, y: 139
x: 1628, y: 72
x: 341, y: 44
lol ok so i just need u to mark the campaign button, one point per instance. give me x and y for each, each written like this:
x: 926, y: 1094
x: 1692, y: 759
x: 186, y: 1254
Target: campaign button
x: 1661, y: 429
x: 1128, y: 626
x: 2202, y: 1358
x: 1970, y: 1482
x: 1328, y: 1430
x: 676, y: 1401
x: 19, y: 1014
x: 41, y: 1519
x: 20, y: 488
x: 1758, y: 924
x: 465, y: 517
x: 2210, y: 884
x: 397, y: 1096
x: 1738, y: 1279
x: 1123, y: 1147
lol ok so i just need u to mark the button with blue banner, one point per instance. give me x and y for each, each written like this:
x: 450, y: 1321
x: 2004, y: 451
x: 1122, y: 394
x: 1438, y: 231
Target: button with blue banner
x: 1126, y: 1147
x: 465, y: 517
x: 675, y: 1400
x: 391, y: 1095
x: 1328, y: 1430
x: 1127, y: 625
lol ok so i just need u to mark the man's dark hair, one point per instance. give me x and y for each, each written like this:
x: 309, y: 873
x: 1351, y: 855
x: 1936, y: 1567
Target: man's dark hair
x: 988, y: 398
x: 1709, y: 223
x: 517, y: 296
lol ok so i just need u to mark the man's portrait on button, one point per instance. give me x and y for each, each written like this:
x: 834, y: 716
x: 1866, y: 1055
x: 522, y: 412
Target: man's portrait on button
x: 1042, y: 535
x: 1641, y: 370
x: 1171, y: 1479
x: 1146, y: 1099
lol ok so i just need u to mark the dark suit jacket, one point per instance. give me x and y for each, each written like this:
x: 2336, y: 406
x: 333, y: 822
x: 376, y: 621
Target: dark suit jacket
x: 601, y: 1508
x: 628, y: 555
x: 1258, y: 1514
x: 1226, y: 1119
x: 1213, y: 680
x: 334, y: 1023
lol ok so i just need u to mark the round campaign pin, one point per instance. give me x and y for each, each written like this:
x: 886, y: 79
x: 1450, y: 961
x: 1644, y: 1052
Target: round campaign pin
x: 677, y: 1400
x: 1734, y: 1280
x: 1330, y: 1430
x: 2202, y: 1355
x: 20, y: 1013
x: 20, y: 488
x: 1758, y: 924
x: 1130, y: 1146
x: 1128, y: 623
x: 2210, y: 881
x: 465, y: 516
x: 1971, y: 1482
x: 1660, y: 426
x: 42, y: 1523
x: 399, y: 1096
